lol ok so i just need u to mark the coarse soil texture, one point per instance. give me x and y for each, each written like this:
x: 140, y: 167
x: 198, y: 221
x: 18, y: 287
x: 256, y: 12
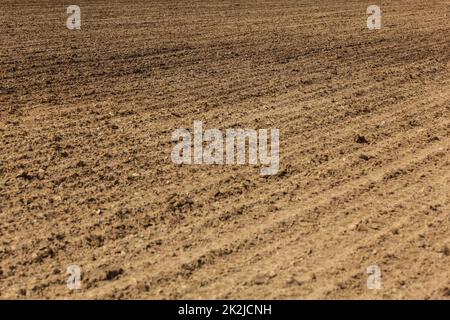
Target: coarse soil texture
x: 86, y: 177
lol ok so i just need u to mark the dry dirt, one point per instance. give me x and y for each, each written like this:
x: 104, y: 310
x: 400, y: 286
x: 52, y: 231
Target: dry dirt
x: 85, y: 138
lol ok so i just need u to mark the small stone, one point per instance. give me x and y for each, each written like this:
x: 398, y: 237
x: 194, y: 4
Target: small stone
x: 365, y: 157
x: 24, y: 175
x: 113, y: 274
x: 360, y: 139
x: 259, y: 279
x: 293, y: 281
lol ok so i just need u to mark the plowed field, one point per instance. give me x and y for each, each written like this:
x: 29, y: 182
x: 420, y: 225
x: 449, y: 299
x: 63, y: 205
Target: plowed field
x: 86, y: 178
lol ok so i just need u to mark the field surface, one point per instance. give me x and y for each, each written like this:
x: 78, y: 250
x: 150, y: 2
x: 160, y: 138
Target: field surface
x: 86, y: 178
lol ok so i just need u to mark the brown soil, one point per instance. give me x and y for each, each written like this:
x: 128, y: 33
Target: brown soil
x: 85, y: 138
